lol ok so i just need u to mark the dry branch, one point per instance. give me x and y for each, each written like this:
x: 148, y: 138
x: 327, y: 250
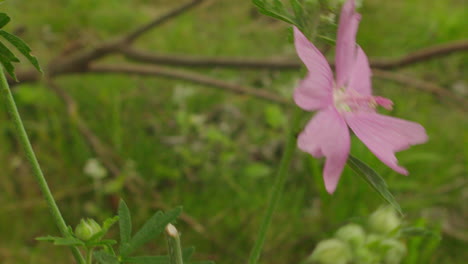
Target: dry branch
x: 160, y: 20
x: 285, y: 64
x: 421, y: 85
x: 186, y: 76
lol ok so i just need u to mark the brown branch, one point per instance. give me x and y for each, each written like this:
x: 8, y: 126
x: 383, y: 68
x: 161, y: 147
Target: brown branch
x: 203, y: 61
x: 79, y: 61
x: 187, y: 76
x: 421, y: 85
x: 284, y: 64
x: 421, y: 55
x: 160, y: 20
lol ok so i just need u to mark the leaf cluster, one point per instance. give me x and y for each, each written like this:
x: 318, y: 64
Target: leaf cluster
x: 7, y: 58
x: 128, y: 242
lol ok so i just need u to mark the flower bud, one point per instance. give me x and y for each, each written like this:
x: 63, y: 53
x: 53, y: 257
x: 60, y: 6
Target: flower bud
x: 94, y: 169
x: 384, y: 220
x: 352, y: 234
x: 331, y: 251
x: 86, y: 229
x: 395, y: 251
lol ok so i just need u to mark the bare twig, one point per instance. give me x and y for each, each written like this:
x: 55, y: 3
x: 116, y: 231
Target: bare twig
x: 421, y: 85
x: 160, y: 20
x: 186, y: 76
x: 285, y: 64
x: 421, y: 55
x: 203, y: 61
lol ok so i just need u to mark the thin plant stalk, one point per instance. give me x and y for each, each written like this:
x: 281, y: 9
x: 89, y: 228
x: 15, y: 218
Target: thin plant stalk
x: 173, y: 244
x: 278, y: 187
x: 36, y: 169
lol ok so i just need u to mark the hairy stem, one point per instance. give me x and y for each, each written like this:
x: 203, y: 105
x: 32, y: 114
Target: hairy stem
x: 36, y: 169
x: 277, y: 187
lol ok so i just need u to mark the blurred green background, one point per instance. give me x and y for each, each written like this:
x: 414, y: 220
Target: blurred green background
x: 215, y: 152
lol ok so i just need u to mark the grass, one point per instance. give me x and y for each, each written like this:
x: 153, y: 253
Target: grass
x: 214, y: 152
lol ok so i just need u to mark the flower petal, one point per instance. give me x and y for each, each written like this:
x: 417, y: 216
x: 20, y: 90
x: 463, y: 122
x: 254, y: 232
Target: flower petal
x: 360, y: 78
x: 315, y: 91
x: 310, y: 93
x: 346, y: 43
x: 327, y: 135
x: 385, y: 135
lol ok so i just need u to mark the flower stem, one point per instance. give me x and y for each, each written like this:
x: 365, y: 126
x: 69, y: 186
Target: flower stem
x: 173, y: 244
x: 36, y: 169
x: 277, y: 187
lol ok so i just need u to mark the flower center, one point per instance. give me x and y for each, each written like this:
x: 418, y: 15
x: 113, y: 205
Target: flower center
x: 352, y: 101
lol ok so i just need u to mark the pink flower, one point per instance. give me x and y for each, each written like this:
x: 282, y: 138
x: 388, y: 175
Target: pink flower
x: 347, y: 101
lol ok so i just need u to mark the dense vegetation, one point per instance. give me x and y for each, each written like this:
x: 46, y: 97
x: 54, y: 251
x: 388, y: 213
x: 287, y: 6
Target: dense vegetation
x: 215, y: 152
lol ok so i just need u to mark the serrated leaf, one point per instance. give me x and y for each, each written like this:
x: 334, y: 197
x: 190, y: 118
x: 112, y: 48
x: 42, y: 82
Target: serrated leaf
x: 4, y: 19
x: 276, y: 10
x: 22, y: 47
x: 374, y: 180
x: 8, y: 66
x: 125, y: 225
x: 103, y: 257
x: 148, y: 260
x: 153, y: 227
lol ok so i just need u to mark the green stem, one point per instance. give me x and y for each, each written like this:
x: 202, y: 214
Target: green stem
x: 173, y: 244
x: 36, y: 169
x: 277, y: 187
x: 89, y: 256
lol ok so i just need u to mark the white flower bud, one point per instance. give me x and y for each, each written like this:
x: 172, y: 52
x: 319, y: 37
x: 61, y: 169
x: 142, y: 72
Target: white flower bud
x: 384, y: 220
x: 331, y: 251
x: 353, y: 234
x: 395, y: 251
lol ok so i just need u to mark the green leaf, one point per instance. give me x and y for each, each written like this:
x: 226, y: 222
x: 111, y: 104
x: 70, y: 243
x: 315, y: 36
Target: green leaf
x: 202, y: 262
x: 153, y: 227
x: 22, y: 47
x: 68, y: 241
x: 4, y: 19
x: 105, y: 242
x: 125, y: 224
x: 417, y: 232
x: 62, y: 241
x: 275, y: 10
x: 103, y: 257
x: 47, y: 238
x: 7, y: 53
x: 148, y: 260
x: 374, y: 180
x: 8, y: 66
x: 106, y: 225
x: 187, y: 253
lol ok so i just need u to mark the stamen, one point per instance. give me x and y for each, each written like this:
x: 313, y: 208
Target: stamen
x: 351, y: 101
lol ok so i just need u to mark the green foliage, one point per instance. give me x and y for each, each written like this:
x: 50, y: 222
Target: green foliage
x: 153, y: 227
x: 6, y: 56
x: 136, y: 118
x: 374, y: 180
x: 125, y: 225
